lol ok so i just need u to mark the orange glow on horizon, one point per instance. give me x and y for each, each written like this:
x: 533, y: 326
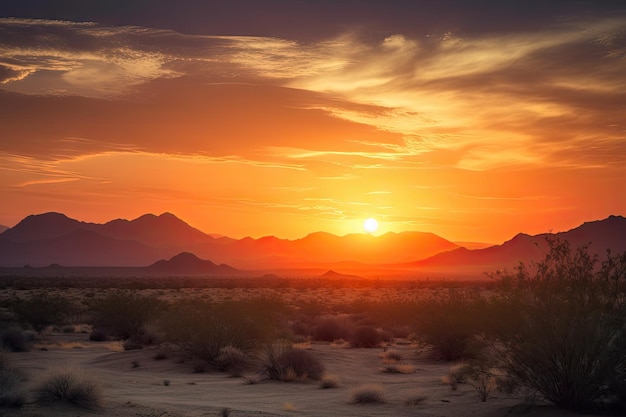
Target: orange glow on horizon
x: 454, y: 134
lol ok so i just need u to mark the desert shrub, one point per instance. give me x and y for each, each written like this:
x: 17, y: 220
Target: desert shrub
x: 131, y: 345
x: 366, y: 337
x: 395, y: 368
x: 367, y: 394
x: 329, y: 381
x: 204, y: 328
x: 70, y: 385
x: 13, y: 339
x: 285, y: 363
x: 232, y: 360
x: 12, y: 391
x: 99, y: 335
x: 333, y: 328
x: 125, y: 314
x: 391, y: 356
x: 570, y: 342
x: 482, y: 378
x: 457, y: 374
x: 449, y: 324
x: 42, y: 311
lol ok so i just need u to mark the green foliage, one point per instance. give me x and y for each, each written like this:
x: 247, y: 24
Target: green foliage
x: 285, y: 363
x: 125, y: 314
x: 570, y: 341
x: 71, y: 385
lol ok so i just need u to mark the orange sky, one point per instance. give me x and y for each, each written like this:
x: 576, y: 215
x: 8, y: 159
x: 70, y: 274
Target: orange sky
x: 472, y: 135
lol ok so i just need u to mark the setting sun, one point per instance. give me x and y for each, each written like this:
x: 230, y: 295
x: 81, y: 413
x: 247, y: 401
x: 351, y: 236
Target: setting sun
x: 370, y: 225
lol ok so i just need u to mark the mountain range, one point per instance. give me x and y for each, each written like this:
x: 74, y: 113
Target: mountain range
x: 53, y: 238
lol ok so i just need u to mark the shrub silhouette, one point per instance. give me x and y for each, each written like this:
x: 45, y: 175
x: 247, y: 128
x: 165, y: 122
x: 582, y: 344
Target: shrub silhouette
x: 449, y: 324
x: 12, y: 391
x: 124, y: 314
x: 204, y: 328
x: 368, y: 394
x: 570, y: 342
x: 285, y: 363
x: 232, y: 360
x: 333, y: 328
x: 70, y: 385
x: 13, y: 339
x: 366, y: 337
x: 42, y: 311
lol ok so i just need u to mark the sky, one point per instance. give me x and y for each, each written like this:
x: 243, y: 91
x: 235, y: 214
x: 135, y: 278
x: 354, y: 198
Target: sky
x: 473, y: 120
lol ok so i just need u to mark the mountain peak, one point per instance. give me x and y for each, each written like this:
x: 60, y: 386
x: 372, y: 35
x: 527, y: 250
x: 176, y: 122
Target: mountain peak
x: 42, y: 226
x: 189, y: 263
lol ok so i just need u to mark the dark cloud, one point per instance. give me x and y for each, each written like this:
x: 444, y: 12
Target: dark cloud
x: 316, y: 19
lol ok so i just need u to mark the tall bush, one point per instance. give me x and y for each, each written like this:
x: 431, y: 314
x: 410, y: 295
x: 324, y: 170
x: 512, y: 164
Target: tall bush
x: 449, y: 324
x: 204, y: 329
x: 569, y: 343
x: 125, y: 314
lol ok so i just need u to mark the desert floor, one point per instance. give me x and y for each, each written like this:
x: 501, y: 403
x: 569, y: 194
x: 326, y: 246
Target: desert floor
x: 136, y: 384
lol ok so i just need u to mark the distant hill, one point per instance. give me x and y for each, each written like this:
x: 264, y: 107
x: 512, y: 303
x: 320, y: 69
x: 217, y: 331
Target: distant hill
x: 3, y: 228
x: 39, y: 240
x: 330, y: 274
x: 53, y: 238
x: 188, y: 263
x: 609, y: 233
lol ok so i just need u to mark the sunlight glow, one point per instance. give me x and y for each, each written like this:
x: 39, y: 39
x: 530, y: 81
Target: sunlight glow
x: 370, y: 225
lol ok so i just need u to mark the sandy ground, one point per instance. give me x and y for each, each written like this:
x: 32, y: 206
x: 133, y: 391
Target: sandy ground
x: 131, y: 390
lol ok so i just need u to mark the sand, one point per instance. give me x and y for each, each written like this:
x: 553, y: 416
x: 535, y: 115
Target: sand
x: 135, y: 384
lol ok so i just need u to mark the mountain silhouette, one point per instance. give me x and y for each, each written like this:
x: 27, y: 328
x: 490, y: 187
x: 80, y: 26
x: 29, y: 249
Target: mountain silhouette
x: 3, y: 228
x: 600, y: 235
x: 188, y: 263
x: 53, y: 238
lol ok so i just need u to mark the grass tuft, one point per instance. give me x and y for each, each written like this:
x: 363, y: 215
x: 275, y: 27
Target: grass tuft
x: 368, y: 394
x: 329, y: 381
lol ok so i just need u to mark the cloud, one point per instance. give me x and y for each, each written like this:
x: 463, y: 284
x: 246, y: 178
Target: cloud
x: 468, y: 100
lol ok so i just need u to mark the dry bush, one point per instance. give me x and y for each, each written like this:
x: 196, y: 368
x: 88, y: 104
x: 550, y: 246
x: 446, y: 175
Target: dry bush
x: 70, y: 385
x: 42, y: 311
x: 99, y: 335
x: 13, y: 339
x: 204, y: 328
x: 333, y: 328
x: 232, y: 360
x: 449, y: 324
x: 125, y: 314
x: 12, y: 391
x: 329, y: 381
x: 482, y: 378
x: 394, y: 368
x: 391, y: 356
x: 457, y: 374
x: 285, y: 363
x: 368, y: 394
x: 366, y: 337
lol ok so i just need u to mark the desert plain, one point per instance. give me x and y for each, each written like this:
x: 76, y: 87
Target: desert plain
x: 161, y: 379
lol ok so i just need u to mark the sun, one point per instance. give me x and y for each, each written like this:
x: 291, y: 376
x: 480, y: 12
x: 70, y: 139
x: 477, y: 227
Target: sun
x: 370, y: 225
